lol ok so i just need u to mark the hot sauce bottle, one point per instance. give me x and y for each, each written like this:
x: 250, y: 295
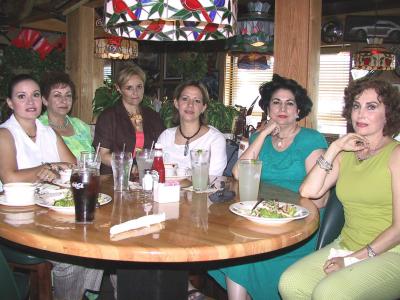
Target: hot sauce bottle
x: 158, y: 163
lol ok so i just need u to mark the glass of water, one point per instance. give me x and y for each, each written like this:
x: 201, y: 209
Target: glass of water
x: 200, y: 160
x: 249, y: 179
x: 144, y: 160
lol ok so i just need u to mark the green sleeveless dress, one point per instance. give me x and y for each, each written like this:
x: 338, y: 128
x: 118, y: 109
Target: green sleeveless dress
x: 365, y: 190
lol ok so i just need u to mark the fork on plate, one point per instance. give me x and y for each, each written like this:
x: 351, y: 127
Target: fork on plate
x: 258, y: 203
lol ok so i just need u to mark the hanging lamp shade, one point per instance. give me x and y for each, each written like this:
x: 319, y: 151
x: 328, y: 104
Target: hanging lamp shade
x: 115, y: 47
x: 374, y: 57
x: 255, y: 31
x: 171, y: 20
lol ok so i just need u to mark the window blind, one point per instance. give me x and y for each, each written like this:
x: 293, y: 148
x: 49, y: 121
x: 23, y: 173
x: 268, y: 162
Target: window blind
x: 333, y: 78
x: 107, y: 71
x: 241, y: 86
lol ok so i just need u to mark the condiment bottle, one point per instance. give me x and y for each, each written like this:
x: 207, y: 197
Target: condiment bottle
x: 158, y: 163
x: 147, y: 181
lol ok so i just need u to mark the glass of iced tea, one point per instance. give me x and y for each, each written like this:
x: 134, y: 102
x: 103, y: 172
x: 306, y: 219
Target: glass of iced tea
x: 85, y: 184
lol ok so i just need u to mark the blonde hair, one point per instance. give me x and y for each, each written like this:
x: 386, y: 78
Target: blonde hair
x: 127, y: 72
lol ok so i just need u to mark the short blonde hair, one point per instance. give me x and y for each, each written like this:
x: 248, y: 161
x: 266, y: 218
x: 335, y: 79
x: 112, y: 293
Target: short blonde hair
x: 127, y: 72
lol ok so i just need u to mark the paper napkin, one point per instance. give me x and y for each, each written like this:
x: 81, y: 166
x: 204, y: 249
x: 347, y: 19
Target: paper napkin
x: 341, y: 253
x: 137, y: 223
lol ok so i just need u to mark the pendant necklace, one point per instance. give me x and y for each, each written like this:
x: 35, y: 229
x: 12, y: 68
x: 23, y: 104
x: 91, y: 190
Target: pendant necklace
x: 281, y: 139
x: 188, y: 138
x: 64, y: 126
x: 137, y: 118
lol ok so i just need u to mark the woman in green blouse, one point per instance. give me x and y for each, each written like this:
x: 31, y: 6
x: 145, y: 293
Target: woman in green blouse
x: 58, y: 94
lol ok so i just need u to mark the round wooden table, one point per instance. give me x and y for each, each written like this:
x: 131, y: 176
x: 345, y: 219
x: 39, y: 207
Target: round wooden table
x: 195, y: 230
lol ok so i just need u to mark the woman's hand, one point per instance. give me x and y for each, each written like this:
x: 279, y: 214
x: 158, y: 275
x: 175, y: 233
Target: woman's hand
x: 48, y: 173
x: 352, y: 142
x: 334, y: 264
x: 269, y: 127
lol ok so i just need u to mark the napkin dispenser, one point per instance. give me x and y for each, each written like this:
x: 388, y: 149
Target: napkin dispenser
x: 166, y: 192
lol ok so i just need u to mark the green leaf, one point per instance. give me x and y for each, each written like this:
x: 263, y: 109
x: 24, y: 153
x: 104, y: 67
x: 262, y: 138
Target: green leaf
x: 154, y: 9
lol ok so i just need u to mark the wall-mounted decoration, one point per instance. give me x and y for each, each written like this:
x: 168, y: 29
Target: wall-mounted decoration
x: 171, y: 66
x: 331, y: 32
x: 358, y: 28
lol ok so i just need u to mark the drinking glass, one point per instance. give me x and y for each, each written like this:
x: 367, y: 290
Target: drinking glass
x: 121, y: 163
x: 89, y: 159
x: 85, y: 185
x: 200, y: 160
x: 249, y: 179
x: 144, y: 161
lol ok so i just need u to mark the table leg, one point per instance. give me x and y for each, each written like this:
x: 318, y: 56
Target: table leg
x: 152, y: 284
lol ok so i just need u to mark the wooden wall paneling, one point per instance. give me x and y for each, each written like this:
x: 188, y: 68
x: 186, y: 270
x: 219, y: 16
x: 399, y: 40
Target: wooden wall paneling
x: 85, y: 70
x: 297, y: 45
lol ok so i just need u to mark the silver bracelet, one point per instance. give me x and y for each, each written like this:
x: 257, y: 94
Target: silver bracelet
x: 324, y: 164
x: 370, y: 251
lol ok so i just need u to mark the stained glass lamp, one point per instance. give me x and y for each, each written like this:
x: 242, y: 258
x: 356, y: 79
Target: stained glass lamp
x: 171, y: 20
x: 374, y: 57
x: 115, y: 47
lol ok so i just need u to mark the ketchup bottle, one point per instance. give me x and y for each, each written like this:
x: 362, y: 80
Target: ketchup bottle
x: 158, y: 163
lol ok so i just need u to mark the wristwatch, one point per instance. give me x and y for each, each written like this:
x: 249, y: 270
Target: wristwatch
x: 371, y: 252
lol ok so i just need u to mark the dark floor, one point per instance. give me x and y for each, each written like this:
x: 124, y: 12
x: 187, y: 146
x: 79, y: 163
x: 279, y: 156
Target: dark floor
x: 201, y: 281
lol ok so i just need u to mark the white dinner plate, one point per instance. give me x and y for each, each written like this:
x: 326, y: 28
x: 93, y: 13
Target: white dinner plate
x: 48, y: 202
x: 244, y: 209
x: 24, y: 203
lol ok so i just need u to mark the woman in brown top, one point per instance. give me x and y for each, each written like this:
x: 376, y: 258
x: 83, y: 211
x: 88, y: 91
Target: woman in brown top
x: 128, y: 122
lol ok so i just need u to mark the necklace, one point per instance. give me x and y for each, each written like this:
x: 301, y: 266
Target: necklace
x: 281, y: 139
x: 188, y: 138
x: 369, y: 152
x: 136, y: 117
x: 31, y: 136
x: 64, y: 126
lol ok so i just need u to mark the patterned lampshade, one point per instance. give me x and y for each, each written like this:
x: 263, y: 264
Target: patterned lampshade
x: 374, y: 57
x: 255, y: 31
x: 171, y: 20
x: 115, y: 47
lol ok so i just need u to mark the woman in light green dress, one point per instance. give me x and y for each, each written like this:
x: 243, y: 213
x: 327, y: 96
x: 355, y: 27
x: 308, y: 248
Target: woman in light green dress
x: 58, y: 94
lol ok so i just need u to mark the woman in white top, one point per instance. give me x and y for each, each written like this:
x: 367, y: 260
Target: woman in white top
x: 190, y: 101
x: 29, y: 150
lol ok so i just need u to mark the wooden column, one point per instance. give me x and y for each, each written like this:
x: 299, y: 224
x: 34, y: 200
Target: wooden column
x: 297, y: 45
x: 85, y: 70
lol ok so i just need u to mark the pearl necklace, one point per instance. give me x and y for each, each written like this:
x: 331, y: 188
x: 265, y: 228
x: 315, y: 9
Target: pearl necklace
x: 64, y: 126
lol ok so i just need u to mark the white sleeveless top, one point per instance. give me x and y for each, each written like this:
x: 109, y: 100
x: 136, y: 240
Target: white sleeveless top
x: 29, y: 153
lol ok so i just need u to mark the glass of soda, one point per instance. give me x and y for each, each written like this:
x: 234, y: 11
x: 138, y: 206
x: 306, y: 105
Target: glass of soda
x: 85, y: 184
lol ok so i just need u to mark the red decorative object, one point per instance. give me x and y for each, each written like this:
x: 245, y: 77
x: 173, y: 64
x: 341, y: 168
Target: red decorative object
x: 28, y: 38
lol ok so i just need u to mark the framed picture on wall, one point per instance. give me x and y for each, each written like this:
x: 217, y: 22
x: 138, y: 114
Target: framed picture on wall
x: 171, y: 71
x: 358, y: 28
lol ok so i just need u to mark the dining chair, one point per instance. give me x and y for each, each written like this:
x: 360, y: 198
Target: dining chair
x: 332, y: 222
x: 39, y: 271
x: 232, y: 150
x: 13, y: 285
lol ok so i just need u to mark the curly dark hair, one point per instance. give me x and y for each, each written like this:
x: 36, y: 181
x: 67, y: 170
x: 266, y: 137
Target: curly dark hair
x: 388, y: 94
x: 303, y: 102
x: 51, y: 80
